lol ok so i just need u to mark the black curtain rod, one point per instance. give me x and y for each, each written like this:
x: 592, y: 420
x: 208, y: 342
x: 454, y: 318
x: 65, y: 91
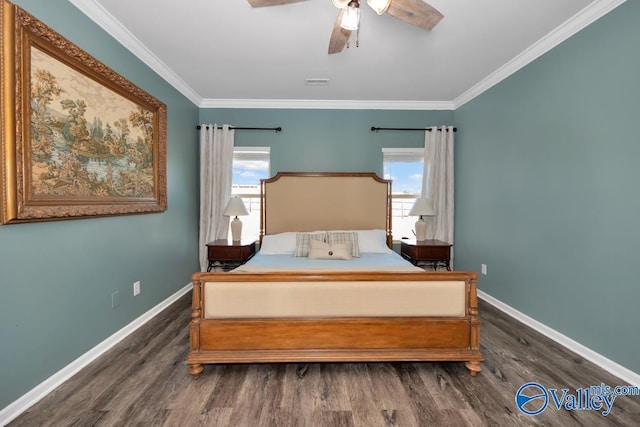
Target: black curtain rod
x: 376, y: 129
x: 277, y: 129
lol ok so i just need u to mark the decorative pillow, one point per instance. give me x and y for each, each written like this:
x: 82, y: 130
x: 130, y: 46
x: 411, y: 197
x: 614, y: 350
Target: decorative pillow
x: 373, y: 241
x: 303, y: 239
x: 276, y: 244
x: 322, y: 250
x: 334, y: 237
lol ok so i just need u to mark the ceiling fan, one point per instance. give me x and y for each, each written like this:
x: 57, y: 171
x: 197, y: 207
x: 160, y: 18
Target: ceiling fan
x: 414, y: 12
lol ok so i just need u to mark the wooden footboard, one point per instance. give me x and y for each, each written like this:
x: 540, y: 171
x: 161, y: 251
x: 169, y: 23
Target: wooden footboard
x: 335, y: 338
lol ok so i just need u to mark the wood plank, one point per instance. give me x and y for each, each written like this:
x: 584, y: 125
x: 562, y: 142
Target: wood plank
x: 365, y: 407
x: 388, y: 389
x: 142, y: 381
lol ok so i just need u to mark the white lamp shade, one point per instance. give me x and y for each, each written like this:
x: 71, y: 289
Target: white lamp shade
x: 351, y: 17
x: 340, y: 3
x: 380, y: 6
x: 235, y: 207
x: 422, y: 206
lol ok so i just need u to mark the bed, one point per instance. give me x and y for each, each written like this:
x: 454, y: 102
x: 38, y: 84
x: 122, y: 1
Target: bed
x: 295, y: 302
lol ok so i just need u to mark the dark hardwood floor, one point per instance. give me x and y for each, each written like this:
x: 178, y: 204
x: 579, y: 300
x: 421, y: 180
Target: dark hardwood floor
x: 143, y: 381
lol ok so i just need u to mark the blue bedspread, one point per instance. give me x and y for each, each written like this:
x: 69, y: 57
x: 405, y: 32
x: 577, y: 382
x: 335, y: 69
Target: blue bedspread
x: 366, y: 262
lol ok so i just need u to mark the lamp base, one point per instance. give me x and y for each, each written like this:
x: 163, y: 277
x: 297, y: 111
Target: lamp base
x: 236, y: 230
x: 421, y: 230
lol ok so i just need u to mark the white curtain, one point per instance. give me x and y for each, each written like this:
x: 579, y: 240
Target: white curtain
x: 437, y: 182
x: 216, y: 165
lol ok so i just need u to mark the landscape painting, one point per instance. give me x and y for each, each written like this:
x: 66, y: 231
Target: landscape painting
x: 87, y: 142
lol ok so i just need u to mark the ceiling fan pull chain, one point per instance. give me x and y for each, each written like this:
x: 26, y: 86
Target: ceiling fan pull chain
x: 358, y: 36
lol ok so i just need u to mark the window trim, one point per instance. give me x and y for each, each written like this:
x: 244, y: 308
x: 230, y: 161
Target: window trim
x: 251, y: 198
x: 252, y: 153
x: 248, y: 151
x: 401, y: 154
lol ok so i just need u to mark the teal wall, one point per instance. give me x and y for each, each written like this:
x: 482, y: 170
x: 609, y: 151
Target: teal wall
x: 327, y: 140
x: 547, y: 200
x: 56, y: 279
x: 547, y: 187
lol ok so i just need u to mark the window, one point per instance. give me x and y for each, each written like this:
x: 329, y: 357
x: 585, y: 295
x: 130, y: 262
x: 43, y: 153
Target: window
x: 250, y: 165
x: 404, y: 166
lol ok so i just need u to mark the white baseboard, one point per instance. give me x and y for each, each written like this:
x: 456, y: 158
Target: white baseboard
x: 30, y: 398
x: 607, y: 364
x: 16, y: 408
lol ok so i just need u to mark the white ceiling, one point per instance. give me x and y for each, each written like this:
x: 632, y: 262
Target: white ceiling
x: 226, y: 54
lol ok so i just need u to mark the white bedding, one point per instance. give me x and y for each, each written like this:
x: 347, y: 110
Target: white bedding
x: 391, y: 261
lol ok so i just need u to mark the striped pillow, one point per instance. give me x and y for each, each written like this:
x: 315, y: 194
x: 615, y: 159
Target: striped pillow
x: 303, y: 239
x: 334, y: 237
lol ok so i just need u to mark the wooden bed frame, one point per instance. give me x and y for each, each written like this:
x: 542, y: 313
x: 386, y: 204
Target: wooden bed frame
x: 298, y: 202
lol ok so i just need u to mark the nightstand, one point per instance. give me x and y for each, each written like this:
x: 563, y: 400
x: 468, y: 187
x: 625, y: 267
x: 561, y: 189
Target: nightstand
x: 427, y: 252
x: 228, y: 254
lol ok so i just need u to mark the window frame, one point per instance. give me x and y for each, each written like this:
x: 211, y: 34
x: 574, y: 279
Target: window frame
x: 250, y: 153
x: 401, y: 154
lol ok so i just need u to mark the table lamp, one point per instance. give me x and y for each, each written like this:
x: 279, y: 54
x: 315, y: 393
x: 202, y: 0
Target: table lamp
x: 422, y: 207
x: 235, y: 207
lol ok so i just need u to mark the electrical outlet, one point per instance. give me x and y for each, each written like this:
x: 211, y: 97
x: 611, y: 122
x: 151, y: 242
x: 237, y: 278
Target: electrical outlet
x: 115, y: 299
x: 484, y: 269
x: 136, y: 288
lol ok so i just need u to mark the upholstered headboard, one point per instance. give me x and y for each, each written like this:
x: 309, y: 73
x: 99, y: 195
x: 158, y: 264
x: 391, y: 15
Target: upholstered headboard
x: 304, y: 201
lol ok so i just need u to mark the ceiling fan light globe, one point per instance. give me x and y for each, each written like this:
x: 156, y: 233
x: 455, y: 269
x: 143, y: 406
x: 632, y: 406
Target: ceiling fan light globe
x: 380, y: 6
x: 351, y: 18
x: 340, y: 3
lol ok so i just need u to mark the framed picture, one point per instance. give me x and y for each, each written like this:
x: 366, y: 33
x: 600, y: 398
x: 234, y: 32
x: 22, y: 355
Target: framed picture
x: 78, y: 139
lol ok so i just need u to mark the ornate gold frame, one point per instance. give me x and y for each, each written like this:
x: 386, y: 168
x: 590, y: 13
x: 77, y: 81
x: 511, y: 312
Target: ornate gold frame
x: 23, y: 34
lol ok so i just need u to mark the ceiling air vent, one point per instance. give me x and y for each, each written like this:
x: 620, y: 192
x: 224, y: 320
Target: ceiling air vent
x: 316, y: 82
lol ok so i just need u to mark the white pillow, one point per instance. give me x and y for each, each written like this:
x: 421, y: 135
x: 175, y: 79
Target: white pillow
x: 373, y: 241
x: 277, y: 244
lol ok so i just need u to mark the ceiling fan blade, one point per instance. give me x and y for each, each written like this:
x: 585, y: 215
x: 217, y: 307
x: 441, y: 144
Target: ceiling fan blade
x: 339, y: 36
x: 261, y: 3
x: 415, y: 12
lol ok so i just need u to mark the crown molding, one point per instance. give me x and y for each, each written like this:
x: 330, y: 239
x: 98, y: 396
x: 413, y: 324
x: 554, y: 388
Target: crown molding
x: 582, y: 19
x: 98, y: 14
x: 332, y: 104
